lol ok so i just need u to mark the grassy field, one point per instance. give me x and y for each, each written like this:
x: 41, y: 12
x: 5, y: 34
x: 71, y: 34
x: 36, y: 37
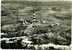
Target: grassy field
x: 54, y: 11
x: 51, y: 12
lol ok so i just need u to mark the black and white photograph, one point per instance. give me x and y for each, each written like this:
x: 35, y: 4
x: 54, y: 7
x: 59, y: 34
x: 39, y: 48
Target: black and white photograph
x: 36, y: 24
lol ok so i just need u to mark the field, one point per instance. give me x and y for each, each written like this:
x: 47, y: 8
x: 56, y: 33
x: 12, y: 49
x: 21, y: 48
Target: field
x: 57, y: 17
